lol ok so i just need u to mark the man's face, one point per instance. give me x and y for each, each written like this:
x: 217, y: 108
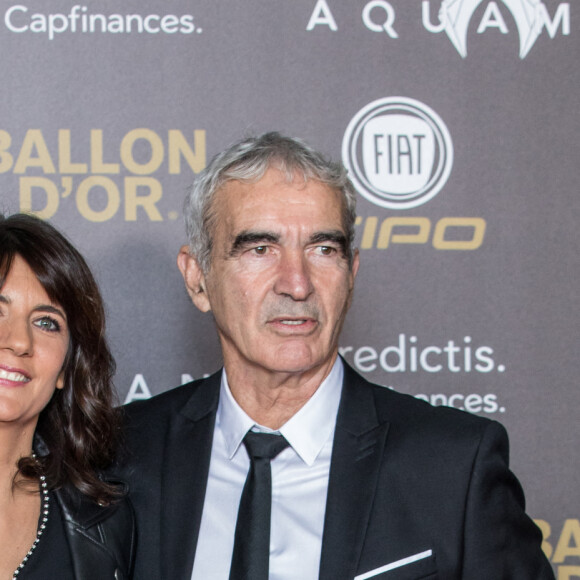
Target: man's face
x: 279, y: 284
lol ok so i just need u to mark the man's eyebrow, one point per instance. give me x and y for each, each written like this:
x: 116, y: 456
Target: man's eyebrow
x: 244, y: 239
x: 335, y: 236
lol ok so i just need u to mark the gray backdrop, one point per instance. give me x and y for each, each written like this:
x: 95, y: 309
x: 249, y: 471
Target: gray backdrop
x: 458, y: 120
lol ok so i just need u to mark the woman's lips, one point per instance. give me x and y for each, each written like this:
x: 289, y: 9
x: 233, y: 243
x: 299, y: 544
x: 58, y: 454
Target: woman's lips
x: 9, y: 375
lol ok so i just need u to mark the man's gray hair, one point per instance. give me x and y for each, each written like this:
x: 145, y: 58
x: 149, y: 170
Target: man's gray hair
x: 247, y: 161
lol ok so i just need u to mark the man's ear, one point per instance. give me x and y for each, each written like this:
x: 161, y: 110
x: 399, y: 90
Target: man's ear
x: 353, y: 272
x: 355, y: 264
x: 194, y: 279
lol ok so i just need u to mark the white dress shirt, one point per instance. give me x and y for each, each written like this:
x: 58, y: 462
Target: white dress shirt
x: 299, y: 485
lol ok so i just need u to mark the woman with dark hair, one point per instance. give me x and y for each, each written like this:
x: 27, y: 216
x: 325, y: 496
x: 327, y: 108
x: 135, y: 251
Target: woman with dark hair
x: 58, y: 425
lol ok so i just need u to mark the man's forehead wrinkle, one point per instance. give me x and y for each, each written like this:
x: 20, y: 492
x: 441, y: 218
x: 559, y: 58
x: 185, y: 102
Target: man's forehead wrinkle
x: 250, y: 212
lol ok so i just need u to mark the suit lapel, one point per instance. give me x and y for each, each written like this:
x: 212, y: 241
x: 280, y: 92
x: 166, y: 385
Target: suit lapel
x: 185, y: 471
x: 359, y: 442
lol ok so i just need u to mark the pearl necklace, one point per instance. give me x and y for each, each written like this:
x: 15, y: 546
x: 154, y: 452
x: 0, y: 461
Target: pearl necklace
x: 41, y: 527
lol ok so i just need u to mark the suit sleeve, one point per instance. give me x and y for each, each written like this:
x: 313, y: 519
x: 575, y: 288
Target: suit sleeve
x: 501, y: 541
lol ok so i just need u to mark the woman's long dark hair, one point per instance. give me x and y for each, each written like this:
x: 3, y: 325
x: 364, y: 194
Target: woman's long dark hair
x: 79, y: 428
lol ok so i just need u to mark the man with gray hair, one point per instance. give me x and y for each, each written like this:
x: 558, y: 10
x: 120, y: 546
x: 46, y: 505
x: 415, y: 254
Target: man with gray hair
x: 286, y: 464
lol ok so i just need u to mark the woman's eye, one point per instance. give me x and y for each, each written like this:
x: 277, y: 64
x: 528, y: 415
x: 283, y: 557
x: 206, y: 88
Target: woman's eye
x: 47, y: 323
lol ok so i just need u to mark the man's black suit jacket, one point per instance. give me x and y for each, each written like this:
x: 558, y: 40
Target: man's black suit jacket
x: 406, y: 479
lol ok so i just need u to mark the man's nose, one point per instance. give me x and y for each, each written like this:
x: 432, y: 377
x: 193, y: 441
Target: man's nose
x: 16, y: 336
x: 294, y: 276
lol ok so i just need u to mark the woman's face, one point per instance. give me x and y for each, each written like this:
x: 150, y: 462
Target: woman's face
x: 34, y: 340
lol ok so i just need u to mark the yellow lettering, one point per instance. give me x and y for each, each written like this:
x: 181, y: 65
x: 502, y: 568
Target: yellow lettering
x: 64, y: 155
x: 478, y: 225
x: 113, y: 198
x: 157, y: 151
x: 568, y: 572
x: 97, y: 163
x: 6, y: 158
x: 26, y: 186
x: 368, y: 236
x: 178, y: 146
x: 546, y: 530
x: 34, y: 140
x: 564, y: 548
x: 67, y: 184
x: 147, y: 202
x: 387, y: 226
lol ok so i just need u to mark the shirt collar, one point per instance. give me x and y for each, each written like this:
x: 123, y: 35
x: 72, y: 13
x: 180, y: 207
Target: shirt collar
x: 307, y: 431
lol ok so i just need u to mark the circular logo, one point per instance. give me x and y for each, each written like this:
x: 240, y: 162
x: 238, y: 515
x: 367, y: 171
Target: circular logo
x: 398, y: 152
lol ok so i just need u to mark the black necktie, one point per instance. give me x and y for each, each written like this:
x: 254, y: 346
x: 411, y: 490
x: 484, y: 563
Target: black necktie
x: 251, y: 557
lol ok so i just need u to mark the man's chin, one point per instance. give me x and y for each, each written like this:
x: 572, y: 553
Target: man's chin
x: 297, y: 359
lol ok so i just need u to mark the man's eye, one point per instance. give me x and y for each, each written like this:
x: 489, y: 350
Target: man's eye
x: 326, y: 250
x: 260, y: 250
x: 48, y: 324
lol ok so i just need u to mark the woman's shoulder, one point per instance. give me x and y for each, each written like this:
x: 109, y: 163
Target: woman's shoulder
x: 98, y: 533
x: 82, y: 511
